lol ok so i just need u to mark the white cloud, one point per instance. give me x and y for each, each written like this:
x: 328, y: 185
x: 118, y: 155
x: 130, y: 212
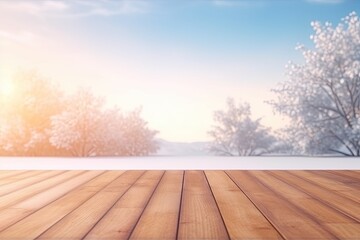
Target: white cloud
x: 32, y: 7
x: 55, y: 5
x: 326, y: 1
x: 74, y: 8
x: 109, y: 8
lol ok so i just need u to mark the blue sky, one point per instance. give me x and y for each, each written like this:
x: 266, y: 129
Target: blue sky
x: 179, y: 60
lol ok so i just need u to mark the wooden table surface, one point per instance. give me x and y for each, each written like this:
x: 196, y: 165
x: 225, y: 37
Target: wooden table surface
x: 217, y: 204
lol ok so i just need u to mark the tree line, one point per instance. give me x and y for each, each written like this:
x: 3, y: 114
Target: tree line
x: 321, y: 98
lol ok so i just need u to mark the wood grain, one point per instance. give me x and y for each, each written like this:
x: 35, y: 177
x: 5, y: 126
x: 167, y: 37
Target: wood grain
x: 25, y: 181
x: 353, y: 175
x: 160, y: 218
x: 120, y: 220
x: 200, y: 217
x: 317, y: 177
x: 27, y: 206
x: 284, y: 216
x: 10, y: 173
x: 76, y: 224
x: 350, y: 178
x: 330, y: 219
x: 17, y: 196
x: 331, y: 198
x: 12, y: 176
x: 243, y: 220
x: 160, y: 204
x: 336, y: 177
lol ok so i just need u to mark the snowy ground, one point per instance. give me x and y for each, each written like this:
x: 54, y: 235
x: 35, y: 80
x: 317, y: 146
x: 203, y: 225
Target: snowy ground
x: 155, y: 162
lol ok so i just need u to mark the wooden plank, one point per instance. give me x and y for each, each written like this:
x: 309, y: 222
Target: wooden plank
x: 11, y: 177
x: 343, y: 204
x: 199, y: 217
x: 15, y: 213
x: 11, y: 173
x: 351, y: 175
x: 149, y: 209
x: 80, y: 221
x: 333, y: 174
x: 330, y: 219
x: 283, y: 215
x: 121, y: 219
x: 160, y: 218
x: 30, y: 180
x: 17, y: 196
x: 348, y: 181
x: 242, y: 219
x: 330, y: 184
x: 345, y: 229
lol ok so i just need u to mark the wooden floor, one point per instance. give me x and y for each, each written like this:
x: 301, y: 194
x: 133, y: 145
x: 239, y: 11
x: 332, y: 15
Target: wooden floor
x: 180, y: 205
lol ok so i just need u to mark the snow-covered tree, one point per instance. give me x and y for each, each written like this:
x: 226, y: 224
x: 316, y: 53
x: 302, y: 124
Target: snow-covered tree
x: 322, y: 95
x: 86, y: 128
x: 25, y: 115
x: 139, y: 139
x: 237, y: 134
x: 80, y: 128
x: 37, y: 119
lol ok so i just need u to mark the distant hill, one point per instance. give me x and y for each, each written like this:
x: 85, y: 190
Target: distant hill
x: 168, y: 148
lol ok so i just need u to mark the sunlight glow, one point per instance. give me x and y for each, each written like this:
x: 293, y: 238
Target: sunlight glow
x: 6, y: 88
